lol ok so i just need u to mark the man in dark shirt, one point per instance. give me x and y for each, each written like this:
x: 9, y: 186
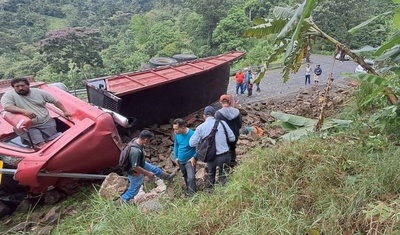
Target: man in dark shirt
x: 139, y: 166
x: 233, y: 118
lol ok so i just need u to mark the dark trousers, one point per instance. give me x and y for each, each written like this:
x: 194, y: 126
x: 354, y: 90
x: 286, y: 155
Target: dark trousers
x: 189, y: 172
x: 249, y: 89
x: 307, y: 79
x: 232, y: 149
x: 222, y: 162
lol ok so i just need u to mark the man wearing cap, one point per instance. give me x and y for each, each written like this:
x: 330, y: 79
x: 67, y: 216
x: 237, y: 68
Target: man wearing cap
x: 222, y: 136
x: 233, y: 118
x: 139, y: 166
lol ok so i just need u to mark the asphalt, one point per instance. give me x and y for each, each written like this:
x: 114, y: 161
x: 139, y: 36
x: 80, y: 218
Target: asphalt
x: 272, y: 84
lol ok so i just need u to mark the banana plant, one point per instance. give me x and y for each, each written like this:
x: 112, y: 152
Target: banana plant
x: 295, y: 28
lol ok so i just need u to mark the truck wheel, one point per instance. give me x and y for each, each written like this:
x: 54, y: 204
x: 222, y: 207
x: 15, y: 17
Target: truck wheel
x: 162, y: 61
x: 184, y: 57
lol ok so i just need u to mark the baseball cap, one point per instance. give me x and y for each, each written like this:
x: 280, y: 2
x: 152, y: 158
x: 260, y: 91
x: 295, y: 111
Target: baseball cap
x: 209, y: 110
x: 225, y: 98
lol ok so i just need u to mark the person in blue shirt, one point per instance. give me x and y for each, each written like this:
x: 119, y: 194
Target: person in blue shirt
x: 184, y: 155
x: 317, y: 73
x: 223, y: 135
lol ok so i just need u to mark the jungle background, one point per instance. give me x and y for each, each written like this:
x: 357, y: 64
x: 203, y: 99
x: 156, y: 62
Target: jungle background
x: 68, y: 41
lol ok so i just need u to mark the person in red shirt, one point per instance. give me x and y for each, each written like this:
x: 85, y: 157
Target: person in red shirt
x: 239, y: 81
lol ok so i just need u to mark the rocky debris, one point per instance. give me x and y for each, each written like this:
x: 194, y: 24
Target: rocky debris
x: 24, y: 206
x: 39, y: 223
x: 113, y: 186
x: 305, y: 103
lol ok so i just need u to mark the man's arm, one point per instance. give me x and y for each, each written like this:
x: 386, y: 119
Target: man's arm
x: 229, y: 131
x: 59, y: 105
x: 195, y: 139
x: 25, y: 112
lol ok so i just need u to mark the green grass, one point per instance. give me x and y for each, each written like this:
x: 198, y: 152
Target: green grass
x: 325, y: 184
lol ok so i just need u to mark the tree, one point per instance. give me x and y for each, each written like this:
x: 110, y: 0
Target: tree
x: 70, y: 49
x: 212, y: 12
x: 228, y: 33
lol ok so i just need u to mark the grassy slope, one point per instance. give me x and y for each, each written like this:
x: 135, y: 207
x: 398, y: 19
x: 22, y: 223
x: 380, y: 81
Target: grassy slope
x: 343, y: 183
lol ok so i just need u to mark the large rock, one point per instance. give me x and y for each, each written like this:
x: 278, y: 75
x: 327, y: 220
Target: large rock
x: 113, y: 186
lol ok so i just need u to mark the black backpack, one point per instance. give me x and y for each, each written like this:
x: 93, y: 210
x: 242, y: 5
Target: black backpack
x: 206, y: 149
x: 124, y: 162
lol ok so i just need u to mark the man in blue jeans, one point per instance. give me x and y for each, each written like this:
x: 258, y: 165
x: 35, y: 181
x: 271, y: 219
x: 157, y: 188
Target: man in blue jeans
x: 140, y: 168
x: 184, y: 155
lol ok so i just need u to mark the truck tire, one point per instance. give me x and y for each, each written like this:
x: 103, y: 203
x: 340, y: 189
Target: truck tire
x: 162, y: 61
x: 184, y: 57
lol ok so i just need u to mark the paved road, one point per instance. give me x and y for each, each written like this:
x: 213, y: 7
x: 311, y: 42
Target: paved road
x: 272, y: 85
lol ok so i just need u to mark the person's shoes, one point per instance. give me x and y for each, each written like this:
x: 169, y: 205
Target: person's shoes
x: 233, y: 164
x: 119, y: 202
x: 166, y: 176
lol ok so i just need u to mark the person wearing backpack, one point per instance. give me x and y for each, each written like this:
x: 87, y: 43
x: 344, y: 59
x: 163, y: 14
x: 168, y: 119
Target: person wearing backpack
x: 233, y: 118
x: 223, y: 135
x: 185, y: 156
x: 138, y: 167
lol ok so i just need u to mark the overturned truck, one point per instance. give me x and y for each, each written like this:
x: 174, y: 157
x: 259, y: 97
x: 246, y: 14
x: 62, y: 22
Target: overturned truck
x: 89, y: 142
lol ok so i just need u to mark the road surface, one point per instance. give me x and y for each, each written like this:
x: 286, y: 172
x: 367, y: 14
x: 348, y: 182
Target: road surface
x: 272, y: 85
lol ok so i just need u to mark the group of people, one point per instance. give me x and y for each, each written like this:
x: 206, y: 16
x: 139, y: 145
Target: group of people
x: 185, y: 155
x: 245, y: 81
x: 31, y: 102
x: 317, y: 74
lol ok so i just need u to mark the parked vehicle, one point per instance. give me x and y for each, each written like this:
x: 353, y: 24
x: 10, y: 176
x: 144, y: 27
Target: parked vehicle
x: 360, y: 69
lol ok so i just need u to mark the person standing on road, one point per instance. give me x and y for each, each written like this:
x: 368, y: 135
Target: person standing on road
x: 233, y: 118
x: 308, y: 74
x: 317, y: 73
x: 247, y: 76
x: 239, y: 82
x: 222, y: 136
x: 250, y: 82
x: 184, y: 155
x: 140, y: 168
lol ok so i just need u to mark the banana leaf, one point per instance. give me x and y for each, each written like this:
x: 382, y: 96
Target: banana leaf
x: 298, y: 126
x: 293, y: 119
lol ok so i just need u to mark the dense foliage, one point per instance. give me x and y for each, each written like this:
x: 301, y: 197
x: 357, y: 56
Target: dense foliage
x: 130, y: 32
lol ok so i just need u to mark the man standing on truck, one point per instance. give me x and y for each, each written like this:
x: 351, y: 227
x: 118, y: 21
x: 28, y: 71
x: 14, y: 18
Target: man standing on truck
x: 31, y: 102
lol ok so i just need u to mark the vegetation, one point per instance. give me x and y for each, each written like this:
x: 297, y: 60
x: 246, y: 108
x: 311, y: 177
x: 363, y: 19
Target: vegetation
x: 337, y: 181
x: 129, y: 32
